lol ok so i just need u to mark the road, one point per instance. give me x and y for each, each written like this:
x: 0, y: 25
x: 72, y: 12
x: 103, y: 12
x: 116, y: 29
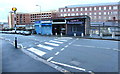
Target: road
x: 72, y: 54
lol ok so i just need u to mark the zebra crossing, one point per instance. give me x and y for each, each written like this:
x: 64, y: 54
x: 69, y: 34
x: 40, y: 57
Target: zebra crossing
x: 47, y: 46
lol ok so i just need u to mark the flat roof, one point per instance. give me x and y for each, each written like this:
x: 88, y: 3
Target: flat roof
x: 94, y: 4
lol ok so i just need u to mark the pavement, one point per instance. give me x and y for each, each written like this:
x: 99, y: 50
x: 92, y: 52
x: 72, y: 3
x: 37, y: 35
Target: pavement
x: 14, y: 60
x: 71, y: 53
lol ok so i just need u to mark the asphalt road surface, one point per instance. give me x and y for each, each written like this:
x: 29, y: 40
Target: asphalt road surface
x: 72, y: 54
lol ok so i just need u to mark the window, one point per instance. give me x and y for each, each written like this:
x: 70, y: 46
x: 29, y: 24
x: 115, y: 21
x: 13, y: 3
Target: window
x: 85, y: 13
x: 115, y: 7
x: 100, y: 8
x: 76, y: 9
x: 90, y: 13
x: 68, y: 14
x: 81, y: 9
x: 95, y: 8
x: 109, y: 18
x: 73, y: 14
x: 99, y: 13
x: 81, y: 13
x: 110, y: 8
x: 68, y: 9
x: 61, y: 10
x: 95, y: 13
x: 90, y: 8
x: 85, y: 9
x: 104, y: 8
x: 72, y: 9
x: 77, y: 14
x: 64, y: 10
x: 61, y: 15
x: 99, y: 17
x: 65, y: 14
x: 104, y: 13
x: 115, y: 12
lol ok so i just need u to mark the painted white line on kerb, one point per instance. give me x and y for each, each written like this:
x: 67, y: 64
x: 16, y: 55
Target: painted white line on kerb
x: 81, y: 69
x: 57, y: 53
x: 50, y: 59
x: 56, y: 41
x: 62, y: 49
x: 45, y: 47
x: 36, y: 51
x: 53, y: 44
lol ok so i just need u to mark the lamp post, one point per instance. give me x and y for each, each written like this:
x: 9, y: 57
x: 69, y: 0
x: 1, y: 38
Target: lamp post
x: 40, y: 11
x: 40, y: 14
x: 14, y: 9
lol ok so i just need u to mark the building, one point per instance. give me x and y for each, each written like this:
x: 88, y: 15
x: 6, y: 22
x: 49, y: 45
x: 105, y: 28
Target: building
x: 24, y: 20
x: 101, y: 12
x: 69, y: 25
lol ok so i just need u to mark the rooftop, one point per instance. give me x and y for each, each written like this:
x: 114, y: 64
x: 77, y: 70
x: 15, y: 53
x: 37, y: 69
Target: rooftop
x: 96, y: 4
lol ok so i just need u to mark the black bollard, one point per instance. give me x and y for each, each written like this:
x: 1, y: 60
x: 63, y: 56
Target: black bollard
x: 16, y: 42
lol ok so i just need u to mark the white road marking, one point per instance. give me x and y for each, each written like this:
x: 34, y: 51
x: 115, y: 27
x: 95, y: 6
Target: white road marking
x: 62, y: 40
x: 65, y: 38
x: 81, y: 69
x: 36, y: 51
x: 53, y: 44
x: 97, y: 47
x: 66, y: 46
x: 56, y: 41
x: 45, y: 47
x: 62, y: 49
x: 57, y: 53
x: 50, y: 59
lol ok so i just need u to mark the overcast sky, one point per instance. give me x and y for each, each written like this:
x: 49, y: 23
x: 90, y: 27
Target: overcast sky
x: 46, y: 5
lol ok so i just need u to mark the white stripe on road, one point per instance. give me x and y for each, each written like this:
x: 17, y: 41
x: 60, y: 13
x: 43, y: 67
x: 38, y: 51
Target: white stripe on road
x: 45, y: 47
x: 66, y: 46
x: 62, y: 49
x: 56, y: 41
x: 97, y: 47
x: 65, y: 38
x: 36, y: 51
x: 50, y: 59
x: 53, y: 44
x: 57, y: 53
x: 81, y: 69
x: 62, y: 40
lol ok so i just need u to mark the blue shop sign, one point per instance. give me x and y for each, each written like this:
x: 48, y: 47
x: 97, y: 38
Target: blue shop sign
x: 74, y: 22
x: 37, y: 21
x: 46, y: 24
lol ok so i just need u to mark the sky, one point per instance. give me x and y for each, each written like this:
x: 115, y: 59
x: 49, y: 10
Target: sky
x: 27, y: 6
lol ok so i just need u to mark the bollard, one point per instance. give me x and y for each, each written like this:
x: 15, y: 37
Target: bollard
x: 101, y: 35
x: 75, y: 34
x: 61, y: 34
x: 82, y: 34
x: 90, y: 34
x: 55, y: 33
x: 15, y: 42
x: 113, y: 35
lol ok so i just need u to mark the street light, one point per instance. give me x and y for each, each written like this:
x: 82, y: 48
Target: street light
x: 40, y: 14
x: 14, y: 9
x: 40, y: 11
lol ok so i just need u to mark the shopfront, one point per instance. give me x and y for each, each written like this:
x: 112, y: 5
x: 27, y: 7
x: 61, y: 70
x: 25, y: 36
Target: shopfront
x: 75, y: 26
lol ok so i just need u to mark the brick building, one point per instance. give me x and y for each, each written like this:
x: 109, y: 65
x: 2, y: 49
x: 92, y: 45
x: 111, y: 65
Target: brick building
x: 101, y: 12
x: 28, y: 19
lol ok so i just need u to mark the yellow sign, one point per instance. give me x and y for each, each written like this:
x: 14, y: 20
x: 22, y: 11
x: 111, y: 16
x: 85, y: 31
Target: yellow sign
x: 14, y: 9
